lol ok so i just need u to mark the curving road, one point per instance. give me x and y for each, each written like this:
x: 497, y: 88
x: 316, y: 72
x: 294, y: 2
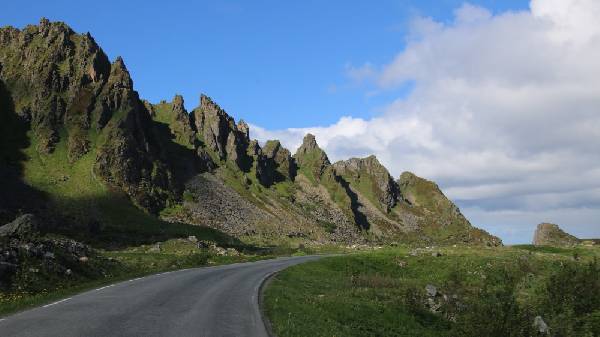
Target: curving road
x: 214, y: 301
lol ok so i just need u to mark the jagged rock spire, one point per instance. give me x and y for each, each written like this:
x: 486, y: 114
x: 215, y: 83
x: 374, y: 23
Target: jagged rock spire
x: 220, y: 133
x: 310, y: 156
x: 282, y: 158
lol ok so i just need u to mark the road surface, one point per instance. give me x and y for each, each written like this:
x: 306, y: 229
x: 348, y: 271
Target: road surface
x: 214, y: 301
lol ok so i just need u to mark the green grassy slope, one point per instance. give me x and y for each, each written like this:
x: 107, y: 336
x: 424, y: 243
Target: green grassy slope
x: 489, y: 292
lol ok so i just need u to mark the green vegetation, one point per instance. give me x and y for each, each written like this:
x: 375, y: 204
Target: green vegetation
x: 164, y: 115
x: 366, y: 186
x: 479, y: 292
x: 88, y: 203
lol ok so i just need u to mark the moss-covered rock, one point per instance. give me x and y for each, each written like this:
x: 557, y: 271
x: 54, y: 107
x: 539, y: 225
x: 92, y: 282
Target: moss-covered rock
x: 64, y: 87
x: 440, y: 219
x: 372, y: 179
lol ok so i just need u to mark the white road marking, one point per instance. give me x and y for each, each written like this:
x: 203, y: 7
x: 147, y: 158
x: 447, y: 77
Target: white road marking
x: 51, y: 304
x: 2, y: 319
x: 105, y: 287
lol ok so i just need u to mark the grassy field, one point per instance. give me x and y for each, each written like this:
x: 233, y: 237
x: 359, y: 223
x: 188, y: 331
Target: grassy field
x: 478, y: 292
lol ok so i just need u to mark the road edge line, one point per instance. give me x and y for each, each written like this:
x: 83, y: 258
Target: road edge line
x: 261, y: 290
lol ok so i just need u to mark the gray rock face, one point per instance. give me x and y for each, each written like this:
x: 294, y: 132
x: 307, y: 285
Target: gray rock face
x: 23, y: 226
x: 220, y: 133
x: 383, y: 186
x: 285, y: 166
x: 552, y: 235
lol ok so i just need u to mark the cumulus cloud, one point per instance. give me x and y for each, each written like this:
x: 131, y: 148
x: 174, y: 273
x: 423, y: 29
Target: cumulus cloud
x: 504, y: 115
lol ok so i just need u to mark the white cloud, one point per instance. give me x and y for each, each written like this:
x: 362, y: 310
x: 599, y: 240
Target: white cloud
x: 505, y: 112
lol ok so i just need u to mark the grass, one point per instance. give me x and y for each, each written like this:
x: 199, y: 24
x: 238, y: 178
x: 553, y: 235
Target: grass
x: 382, y: 293
x: 364, y: 183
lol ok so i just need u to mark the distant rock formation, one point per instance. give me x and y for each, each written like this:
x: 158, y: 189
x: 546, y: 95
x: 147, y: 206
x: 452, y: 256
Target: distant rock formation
x: 548, y: 234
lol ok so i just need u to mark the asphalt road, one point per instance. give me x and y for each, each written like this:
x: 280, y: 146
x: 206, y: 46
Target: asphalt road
x: 214, y: 301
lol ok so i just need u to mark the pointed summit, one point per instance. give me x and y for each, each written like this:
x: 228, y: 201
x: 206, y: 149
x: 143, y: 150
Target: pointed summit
x: 310, y: 146
x: 119, y: 75
x: 309, y: 142
x: 311, y: 159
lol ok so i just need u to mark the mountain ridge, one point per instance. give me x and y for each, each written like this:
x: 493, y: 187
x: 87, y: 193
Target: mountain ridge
x: 85, y: 120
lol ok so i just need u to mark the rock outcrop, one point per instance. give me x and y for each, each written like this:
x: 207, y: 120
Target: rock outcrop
x: 284, y: 165
x: 374, y: 178
x: 65, y: 88
x: 548, y: 234
x: 220, y: 134
x: 311, y: 159
x: 24, y: 226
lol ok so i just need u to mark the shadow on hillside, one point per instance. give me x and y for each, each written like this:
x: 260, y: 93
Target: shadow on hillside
x: 359, y: 217
x: 109, y: 221
x: 16, y: 197
x: 182, y: 160
x: 112, y: 222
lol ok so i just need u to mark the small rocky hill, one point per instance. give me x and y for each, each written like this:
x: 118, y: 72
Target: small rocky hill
x: 548, y: 234
x: 75, y: 137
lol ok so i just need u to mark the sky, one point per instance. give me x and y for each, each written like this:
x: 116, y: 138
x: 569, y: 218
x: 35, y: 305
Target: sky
x: 496, y: 101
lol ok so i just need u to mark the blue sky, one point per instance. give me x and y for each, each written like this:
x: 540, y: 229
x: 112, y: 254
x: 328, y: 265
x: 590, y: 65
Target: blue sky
x: 276, y: 64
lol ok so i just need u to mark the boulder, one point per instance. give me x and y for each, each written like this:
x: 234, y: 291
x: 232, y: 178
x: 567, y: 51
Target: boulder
x: 431, y: 290
x: 540, y: 325
x: 23, y: 226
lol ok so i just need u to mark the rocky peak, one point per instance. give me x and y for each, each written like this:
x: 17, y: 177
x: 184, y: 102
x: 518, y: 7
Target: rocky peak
x: 310, y: 158
x: 181, y: 122
x: 178, y: 103
x: 309, y: 143
x: 244, y: 129
x: 54, y: 74
x: 552, y: 235
x: 383, y: 186
x: 149, y: 107
x: 119, y: 75
x: 220, y: 133
x: 254, y: 149
x: 282, y: 158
